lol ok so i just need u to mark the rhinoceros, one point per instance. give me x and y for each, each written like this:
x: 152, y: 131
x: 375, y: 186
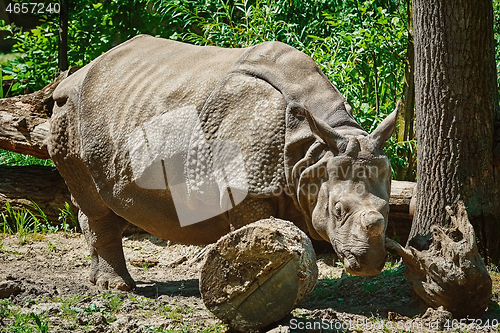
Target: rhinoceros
x: 190, y: 142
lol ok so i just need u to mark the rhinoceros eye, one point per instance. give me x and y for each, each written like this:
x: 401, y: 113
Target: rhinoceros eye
x: 337, y: 210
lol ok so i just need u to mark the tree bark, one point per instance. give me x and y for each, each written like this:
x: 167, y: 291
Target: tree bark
x: 457, y: 106
x: 62, y: 53
x: 24, y: 120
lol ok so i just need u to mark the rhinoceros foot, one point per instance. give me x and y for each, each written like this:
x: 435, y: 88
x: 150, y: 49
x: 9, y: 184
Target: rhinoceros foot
x: 108, y: 268
x: 113, y: 281
x: 105, y: 277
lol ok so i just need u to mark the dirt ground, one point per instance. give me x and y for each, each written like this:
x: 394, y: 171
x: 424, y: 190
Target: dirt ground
x: 47, y: 277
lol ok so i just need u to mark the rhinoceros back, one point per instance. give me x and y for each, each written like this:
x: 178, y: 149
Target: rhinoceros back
x: 136, y: 82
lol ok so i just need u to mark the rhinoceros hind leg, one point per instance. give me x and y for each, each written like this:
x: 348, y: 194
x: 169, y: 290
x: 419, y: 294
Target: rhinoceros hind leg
x: 108, y: 268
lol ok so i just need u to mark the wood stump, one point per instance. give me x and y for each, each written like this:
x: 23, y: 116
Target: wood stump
x: 449, y: 271
x: 257, y: 274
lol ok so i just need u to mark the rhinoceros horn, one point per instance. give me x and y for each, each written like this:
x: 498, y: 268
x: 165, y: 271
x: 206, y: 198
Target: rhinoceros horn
x: 384, y: 131
x: 324, y: 133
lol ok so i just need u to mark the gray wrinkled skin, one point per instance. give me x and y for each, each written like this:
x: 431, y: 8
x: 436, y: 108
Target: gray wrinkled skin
x: 301, y: 152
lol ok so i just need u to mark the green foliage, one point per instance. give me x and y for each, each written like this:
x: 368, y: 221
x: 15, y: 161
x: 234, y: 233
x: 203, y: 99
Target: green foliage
x: 38, y: 65
x: 15, y: 159
x: 68, y: 218
x: 41, y: 324
x: 95, y: 27
x: 370, y: 286
x: 239, y: 24
x: 219, y: 328
x: 365, y: 57
x: 30, y: 220
x: 328, y: 289
x: 90, y: 309
x: 115, y: 301
x: 21, y: 322
x: 1, y: 82
x: 403, y: 156
x: 68, y: 303
x: 494, y: 307
x: 5, y: 309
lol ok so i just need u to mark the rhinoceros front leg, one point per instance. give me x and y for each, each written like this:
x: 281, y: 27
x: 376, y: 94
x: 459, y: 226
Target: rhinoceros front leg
x: 104, y: 236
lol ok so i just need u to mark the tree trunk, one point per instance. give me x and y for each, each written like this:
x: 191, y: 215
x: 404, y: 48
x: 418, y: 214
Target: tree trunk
x: 62, y: 53
x: 457, y: 105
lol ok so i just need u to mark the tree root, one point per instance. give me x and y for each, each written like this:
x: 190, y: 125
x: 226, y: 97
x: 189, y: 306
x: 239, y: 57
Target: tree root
x: 450, y: 273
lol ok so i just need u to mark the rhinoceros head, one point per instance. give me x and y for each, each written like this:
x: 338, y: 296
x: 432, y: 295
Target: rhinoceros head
x: 348, y: 204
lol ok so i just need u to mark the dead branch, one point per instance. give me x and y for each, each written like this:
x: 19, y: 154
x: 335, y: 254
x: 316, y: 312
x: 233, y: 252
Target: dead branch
x: 24, y: 120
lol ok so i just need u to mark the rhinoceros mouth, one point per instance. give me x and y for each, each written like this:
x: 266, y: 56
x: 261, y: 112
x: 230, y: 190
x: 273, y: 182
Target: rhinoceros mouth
x: 351, y: 261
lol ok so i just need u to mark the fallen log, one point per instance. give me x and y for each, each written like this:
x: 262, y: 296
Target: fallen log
x: 34, y: 184
x: 24, y: 120
x: 257, y: 274
x: 400, y: 214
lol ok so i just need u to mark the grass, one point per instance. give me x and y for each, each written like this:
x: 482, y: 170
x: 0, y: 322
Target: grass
x: 327, y: 288
x: 174, y: 312
x: 188, y: 329
x: 19, y: 321
x: 68, y: 303
x: 115, y: 301
x: 15, y: 159
x: 51, y: 247
x: 31, y: 221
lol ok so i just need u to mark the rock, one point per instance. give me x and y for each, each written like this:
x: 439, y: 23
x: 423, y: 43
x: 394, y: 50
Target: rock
x: 9, y: 288
x: 99, y: 319
x: 257, y: 274
x: 44, y: 309
x: 436, y: 318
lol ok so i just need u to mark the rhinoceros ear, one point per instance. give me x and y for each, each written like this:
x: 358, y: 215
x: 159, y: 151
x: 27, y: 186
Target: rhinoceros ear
x: 384, y: 131
x: 325, y: 133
